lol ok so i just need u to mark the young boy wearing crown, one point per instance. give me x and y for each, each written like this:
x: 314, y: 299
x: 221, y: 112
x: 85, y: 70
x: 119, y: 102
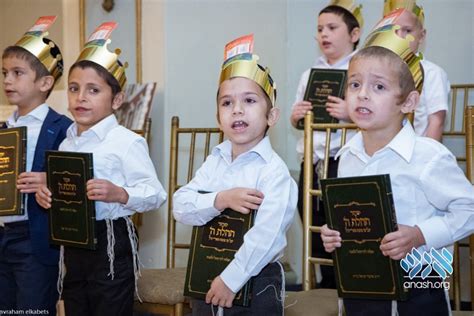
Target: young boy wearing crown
x: 434, y: 201
x: 244, y: 173
x: 28, y: 264
x: 431, y: 111
x: 338, y: 33
x: 101, y: 282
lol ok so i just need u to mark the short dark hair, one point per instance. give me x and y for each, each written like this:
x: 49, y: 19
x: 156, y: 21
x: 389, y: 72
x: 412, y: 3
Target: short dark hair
x: 101, y: 71
x: 347, y: 17
x: 34, y: 63
x: 405, y: 78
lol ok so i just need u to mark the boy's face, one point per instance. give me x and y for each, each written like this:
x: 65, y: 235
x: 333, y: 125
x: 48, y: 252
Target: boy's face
x: 243, y: 113
x: 410, y: 25
x: 334, y: 38
x: 20, y: 85
x: 373, y: 97
x: 90, y: 98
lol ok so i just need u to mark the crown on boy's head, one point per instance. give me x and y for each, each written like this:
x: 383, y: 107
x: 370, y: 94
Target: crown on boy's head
x: 95, y: 50
x: 409, y: 5
x: 352, y: 7
x: 240, y: 62
x: 386, y: 37
x: 44, y: 49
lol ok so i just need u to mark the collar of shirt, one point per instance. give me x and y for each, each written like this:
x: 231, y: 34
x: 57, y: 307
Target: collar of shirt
x: 100, y: 129
x: 402, y: 144
x: 38, y: 114
x: 263, y: 149
x: 343, y: 63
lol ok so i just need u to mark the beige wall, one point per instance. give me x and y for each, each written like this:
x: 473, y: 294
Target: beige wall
x: 64, y: 32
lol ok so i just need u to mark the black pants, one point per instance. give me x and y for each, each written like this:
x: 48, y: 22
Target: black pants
x: 420, y: 302
x: 319, y: 219
x: 88, y: 287
x: 25, y: 282
x: 266, y: 300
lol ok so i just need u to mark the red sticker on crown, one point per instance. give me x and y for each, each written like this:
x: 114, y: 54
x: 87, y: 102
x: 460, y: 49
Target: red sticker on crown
x: 102, y: 32
x: 238, y: 46
x: 389, y: 19
x: 42, y: 24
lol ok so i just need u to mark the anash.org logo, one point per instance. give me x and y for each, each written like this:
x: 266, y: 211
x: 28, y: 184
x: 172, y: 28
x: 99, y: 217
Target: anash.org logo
x: 426, y: 265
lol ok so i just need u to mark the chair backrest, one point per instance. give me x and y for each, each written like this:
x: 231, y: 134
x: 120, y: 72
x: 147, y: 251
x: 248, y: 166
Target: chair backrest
x: 457, y: 279
x: 461, y: 96
x: 201, y: 140
x: 457, y: 138
x: 309, y: 192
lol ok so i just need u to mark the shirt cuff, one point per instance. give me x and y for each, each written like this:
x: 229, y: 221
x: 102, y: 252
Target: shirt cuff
x: 234, y: 277
x: 134, y: 201
x: 436, y: 233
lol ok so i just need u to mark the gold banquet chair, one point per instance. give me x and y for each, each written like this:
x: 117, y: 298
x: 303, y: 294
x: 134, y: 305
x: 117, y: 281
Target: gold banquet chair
x: 457, y: 279
x: 457, y: 139
x: 313, y: 301
x: 161, y: 290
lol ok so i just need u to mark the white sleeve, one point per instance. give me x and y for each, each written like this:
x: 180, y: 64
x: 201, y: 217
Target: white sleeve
x: 302, y: 86
x: 435, y: 89
x: 192, y: 205
x: 145, y: 191
x: 266, y: 239
x: 447, y: 188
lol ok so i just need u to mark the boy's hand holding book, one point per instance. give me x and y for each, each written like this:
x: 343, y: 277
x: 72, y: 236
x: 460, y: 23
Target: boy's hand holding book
x: 242, y: 200
x: 395, y: 245
x: 299, y: 111
x: 337, y: 108
x: 220, y: 294
x: 30, y: 182
x: 106, y: 191
x: 43, y: 197
x: 398, y: 243
x: 331, y: 238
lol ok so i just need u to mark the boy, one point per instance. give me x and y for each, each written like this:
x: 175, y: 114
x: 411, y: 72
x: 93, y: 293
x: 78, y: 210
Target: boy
x: 101, y: 282
x: 338, y: 33
x: 244, y: 173
x: 434, y: 201
x: 28, y: 265
x: 431, y: 112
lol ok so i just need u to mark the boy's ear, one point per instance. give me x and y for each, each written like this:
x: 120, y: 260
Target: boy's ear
x: 46, y: 83
x: 411, y: 102
x: 355, y: 34
x: 423, y: 35
x: 273, y: 116
x: 118, y: 100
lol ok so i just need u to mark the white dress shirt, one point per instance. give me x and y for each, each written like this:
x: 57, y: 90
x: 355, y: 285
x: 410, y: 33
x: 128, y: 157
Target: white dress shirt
x: 262, y: 169
x: 429, y: 189
x: 33, y: 122
x: 434, y: 96
x: 319, y: 138
x: 121, y: 157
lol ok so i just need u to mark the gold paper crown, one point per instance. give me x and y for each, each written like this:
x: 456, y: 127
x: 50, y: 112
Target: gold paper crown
x: 96, y: 51
x: 44, y: 49
x: 352, y: 7
x: 245, y: 65
x: 386, y: 37
x: 409, y: 5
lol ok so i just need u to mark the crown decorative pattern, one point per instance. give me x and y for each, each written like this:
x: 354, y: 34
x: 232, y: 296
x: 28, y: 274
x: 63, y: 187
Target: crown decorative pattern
x: 352, y: 7
x: 96, y: 50
x: 409, y: 5
x: 387, y: 37
x: 47, y: 52
x: 246, y: 65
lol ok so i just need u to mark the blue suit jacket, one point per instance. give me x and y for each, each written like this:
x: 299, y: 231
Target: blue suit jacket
x: 51, y: 135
